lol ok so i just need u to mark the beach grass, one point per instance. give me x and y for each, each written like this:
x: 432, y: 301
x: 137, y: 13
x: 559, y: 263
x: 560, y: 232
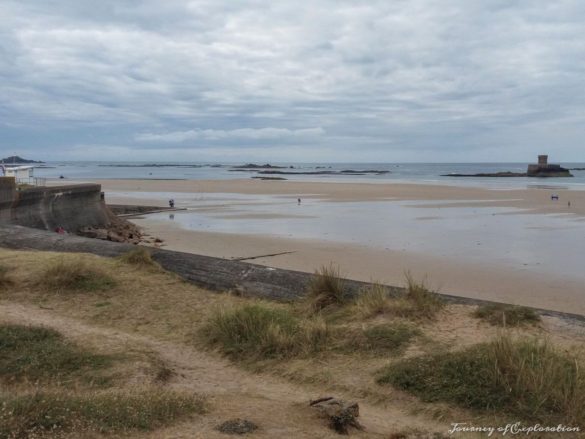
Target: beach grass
x: 381, y: 339
x: 506, y: 315
x: 326, y: 289
x: 66, y: 276
x: 139, y: 256
x: 29, y: 353
x: 41, y: 413
x: 527, y: 378
x: 418, y: 302
x: 372, y: 300
x: 254, y: 332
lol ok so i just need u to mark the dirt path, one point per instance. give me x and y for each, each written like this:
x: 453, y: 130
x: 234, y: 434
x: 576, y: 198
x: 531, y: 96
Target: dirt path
x: 279, y: 407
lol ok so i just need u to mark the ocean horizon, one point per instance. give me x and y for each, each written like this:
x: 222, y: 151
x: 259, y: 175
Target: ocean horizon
x: 427, y: 173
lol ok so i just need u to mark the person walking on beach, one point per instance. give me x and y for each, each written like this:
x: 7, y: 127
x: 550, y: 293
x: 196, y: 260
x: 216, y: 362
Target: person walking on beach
x: 172, y: 203
x: 299, y: 201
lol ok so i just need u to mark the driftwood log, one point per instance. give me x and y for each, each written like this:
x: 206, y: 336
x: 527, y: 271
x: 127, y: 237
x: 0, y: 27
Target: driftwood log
x: 341, y: 414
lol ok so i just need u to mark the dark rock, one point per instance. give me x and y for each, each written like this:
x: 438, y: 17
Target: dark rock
x: 237, y: 426
x: 489, y: 174
x: 344, y: 172
x: 255, y: 166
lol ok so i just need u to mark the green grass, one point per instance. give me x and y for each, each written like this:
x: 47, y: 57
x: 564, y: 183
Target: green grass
x: 506, y: 315
x: 389, y: 338
x: 254, y: 332
x: 326, y: 289
x: 139, y: 256
x: 65, y: 276
x: 525, y: 378
x: 36, y: 353
x: 31, y: 415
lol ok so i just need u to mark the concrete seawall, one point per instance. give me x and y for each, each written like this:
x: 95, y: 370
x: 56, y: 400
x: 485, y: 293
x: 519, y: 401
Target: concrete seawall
x: 70, y: 207
x: 212, y: 273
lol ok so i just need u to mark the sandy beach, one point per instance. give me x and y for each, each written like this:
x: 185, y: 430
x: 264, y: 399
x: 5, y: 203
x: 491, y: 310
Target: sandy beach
x: 428, y: 232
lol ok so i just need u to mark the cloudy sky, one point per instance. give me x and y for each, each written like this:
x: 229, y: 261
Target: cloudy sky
x: 290, y: 80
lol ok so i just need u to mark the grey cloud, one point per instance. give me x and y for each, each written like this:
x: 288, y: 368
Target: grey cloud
x: 241, y: 133
x: 394, y: 80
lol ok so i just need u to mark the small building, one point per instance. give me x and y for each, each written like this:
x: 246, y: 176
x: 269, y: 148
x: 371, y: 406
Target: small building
x: 545, y: 169
x: 22, y: 174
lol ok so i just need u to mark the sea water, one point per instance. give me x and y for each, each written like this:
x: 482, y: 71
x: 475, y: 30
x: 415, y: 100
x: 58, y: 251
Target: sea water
x: 428, y: 173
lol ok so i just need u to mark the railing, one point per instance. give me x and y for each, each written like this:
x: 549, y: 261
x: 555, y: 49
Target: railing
x: 31, y: 181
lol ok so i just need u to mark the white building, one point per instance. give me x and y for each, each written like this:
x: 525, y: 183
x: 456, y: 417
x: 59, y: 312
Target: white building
x: 22, y: 174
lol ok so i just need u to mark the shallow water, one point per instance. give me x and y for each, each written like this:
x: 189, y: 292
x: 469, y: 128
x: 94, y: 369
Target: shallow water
x: 483, y: 235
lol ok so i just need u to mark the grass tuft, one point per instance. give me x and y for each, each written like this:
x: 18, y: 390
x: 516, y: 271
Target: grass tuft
x: 506, y: 315
x: 424, y: 302
x: 418, y: 303
x: 527, y: 378
x: 389, y: 338
x: 326, y: 289
x: 372, y: 301
x: 35, y: 353
x: 255, y: 332
x: 139, y: 256
x: 64, y: 276
x: 32, y: 415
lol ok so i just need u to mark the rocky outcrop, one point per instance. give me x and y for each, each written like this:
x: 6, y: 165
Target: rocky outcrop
x: 344, y: 172
x: 253, y: 166
x: 17, y: 160
x: 548, y: 171
x: 489, y: 174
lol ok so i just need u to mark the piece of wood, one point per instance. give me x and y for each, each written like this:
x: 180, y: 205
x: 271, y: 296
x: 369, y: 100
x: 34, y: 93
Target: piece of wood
x: 340, y: 414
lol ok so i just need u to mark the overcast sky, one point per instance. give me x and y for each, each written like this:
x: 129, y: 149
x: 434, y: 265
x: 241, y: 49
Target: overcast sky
x: 290, y: 80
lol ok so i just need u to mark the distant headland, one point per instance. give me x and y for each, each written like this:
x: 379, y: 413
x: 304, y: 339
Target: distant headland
x: 14, y: 159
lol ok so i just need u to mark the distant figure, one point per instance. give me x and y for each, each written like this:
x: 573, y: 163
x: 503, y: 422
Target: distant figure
x: 299, y: 201
x: 172, y: 216
x: 568, y: 204
x: 61, y: 177
x: 60, y: 230
x: 554, y: 197
x: 171, y: 203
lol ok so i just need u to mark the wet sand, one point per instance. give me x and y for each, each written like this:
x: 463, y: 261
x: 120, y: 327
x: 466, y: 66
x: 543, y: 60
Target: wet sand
x: 532, y: 200
x: 247, y: 203
x: 387, y: 266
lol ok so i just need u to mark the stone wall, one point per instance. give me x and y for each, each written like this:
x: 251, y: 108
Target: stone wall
x: 7, y: 197
x: 70, y: 207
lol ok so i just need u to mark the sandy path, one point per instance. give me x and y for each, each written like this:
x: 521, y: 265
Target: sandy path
x: 278, y: 406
